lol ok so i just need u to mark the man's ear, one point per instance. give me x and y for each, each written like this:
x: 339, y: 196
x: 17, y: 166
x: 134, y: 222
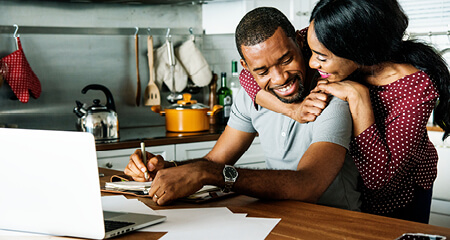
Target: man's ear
x: 244, y: 64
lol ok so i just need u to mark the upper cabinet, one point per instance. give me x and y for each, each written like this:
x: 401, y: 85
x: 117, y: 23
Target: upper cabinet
x: 134, y: 2
x: 222, y: 17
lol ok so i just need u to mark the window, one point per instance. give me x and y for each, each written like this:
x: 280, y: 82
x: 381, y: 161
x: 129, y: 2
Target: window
x: 425, y: 16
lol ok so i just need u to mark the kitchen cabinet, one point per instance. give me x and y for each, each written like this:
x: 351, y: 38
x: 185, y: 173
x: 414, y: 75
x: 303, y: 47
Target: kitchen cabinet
x: 118, y: 159
x: 252, y: 158
x: 223, y: 17
x: 440, y: 205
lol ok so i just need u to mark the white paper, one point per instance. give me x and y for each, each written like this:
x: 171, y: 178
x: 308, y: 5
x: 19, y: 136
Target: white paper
x: 188, y: 218
x: 239, y: 228
x: 211, y: 223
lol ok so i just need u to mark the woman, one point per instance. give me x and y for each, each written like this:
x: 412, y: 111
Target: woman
x: 395, y: 87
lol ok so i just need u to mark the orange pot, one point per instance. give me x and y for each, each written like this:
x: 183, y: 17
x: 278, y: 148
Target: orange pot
x: 187, y: 115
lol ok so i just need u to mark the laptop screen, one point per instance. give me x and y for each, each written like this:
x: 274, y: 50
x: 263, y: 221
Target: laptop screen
x: 51, y: 183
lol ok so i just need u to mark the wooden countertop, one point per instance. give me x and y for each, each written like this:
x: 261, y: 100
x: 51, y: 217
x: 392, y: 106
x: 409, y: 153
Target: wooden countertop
x: 300, y: 220
x: 435, y: 128
x: 156, y: 136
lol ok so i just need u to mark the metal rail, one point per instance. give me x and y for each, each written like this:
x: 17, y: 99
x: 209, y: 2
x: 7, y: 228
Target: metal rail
x: 4, y: 29
x: 430, y: 33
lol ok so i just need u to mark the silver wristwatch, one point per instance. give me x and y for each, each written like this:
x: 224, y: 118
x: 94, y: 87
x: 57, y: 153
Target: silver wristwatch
x: 230, y: 175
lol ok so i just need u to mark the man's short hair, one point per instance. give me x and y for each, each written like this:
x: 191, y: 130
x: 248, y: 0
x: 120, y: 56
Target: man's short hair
x: 260, y: 24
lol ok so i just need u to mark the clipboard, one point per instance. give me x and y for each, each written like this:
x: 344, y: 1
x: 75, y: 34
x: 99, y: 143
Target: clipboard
x: 140, y: 189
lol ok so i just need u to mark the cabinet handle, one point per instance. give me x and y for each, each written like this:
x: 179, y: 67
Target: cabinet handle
x: 109, y: 165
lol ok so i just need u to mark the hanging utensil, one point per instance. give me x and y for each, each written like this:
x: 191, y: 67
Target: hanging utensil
x: 138, y: 88
x: 173, y: 97
x: 171, y: 58
x: 151, y: 93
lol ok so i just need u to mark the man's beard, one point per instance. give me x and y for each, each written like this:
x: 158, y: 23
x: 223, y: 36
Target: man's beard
x: 297, y: 97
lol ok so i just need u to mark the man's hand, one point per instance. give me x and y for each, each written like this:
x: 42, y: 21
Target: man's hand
x: 136, y: 168
x: 182, y: 181
x: 311, y: 107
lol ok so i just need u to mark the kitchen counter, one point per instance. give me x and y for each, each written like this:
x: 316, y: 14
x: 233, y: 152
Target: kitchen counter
x: 299, y: 220
x: 435, y: 128
x: 157, y: 136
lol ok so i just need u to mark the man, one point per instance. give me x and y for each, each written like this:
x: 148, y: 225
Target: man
x: 306, y: 162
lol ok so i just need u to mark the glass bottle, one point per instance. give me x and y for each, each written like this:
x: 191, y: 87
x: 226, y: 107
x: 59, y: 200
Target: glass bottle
x: 234, y: 80
x: 224, y: 96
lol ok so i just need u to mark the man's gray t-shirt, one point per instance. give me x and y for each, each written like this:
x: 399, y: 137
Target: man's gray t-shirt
x: 285, y: 140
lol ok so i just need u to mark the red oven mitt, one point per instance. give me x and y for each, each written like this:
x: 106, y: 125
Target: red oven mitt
x: 20, y: 76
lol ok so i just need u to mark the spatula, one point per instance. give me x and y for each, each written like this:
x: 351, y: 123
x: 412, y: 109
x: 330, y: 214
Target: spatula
x: 138, y: 88
x: 151, y: 93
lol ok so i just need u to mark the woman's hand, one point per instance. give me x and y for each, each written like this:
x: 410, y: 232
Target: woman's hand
x: 344, y: 90
x: 358, y: 98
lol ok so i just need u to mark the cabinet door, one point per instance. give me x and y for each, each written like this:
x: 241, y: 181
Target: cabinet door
x: 222, y: 17
x: 252, y: 158
x: 440, y: 188
x: 118, y: 159
x: 185, y: 151
x: 440, y: 205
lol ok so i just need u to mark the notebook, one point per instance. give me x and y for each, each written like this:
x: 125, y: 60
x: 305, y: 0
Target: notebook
x: 42, y: 191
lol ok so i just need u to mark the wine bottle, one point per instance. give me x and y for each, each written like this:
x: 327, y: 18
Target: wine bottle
x: 234, y: 80
x: 224, y: 96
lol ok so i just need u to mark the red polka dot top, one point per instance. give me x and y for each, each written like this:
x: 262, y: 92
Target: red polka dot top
x: 394, y: 155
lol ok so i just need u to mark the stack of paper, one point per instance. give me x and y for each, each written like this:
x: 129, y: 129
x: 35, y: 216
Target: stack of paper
x: 129, y: 185
x: 197, y: 223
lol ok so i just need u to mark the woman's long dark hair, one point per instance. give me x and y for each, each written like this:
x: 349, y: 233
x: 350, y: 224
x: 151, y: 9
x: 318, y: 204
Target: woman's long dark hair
x: 370, y: 32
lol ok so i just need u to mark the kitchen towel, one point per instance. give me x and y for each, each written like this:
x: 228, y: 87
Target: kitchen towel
x: 195, y: 64
x: 163, y: 74
x: 20, y: 76
x: 3, y: 71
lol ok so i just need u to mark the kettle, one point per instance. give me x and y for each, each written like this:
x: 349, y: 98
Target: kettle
x: 100, y: 120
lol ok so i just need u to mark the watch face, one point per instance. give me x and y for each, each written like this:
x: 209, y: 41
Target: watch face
x: 230, y: 172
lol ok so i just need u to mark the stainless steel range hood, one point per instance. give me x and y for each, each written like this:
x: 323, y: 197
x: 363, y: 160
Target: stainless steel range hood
x: 148, y: 2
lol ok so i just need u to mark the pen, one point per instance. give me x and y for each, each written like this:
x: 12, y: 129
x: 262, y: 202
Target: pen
x: 144, y: 159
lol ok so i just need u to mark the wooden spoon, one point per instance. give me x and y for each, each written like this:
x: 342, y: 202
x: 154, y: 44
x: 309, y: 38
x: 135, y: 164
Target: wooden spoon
x: 151, y: 93
x: 138, y: 88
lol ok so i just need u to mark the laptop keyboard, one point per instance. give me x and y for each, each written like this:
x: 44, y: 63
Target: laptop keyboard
x: 113, y: 225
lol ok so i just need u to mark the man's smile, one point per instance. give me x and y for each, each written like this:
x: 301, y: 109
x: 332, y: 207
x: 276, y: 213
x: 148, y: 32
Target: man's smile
x: 288, y: 89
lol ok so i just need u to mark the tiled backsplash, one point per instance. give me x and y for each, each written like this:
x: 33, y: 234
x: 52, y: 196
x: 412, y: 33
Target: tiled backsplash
x: 67, y: 63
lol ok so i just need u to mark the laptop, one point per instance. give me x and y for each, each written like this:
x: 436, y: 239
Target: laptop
x: 50, y: 185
